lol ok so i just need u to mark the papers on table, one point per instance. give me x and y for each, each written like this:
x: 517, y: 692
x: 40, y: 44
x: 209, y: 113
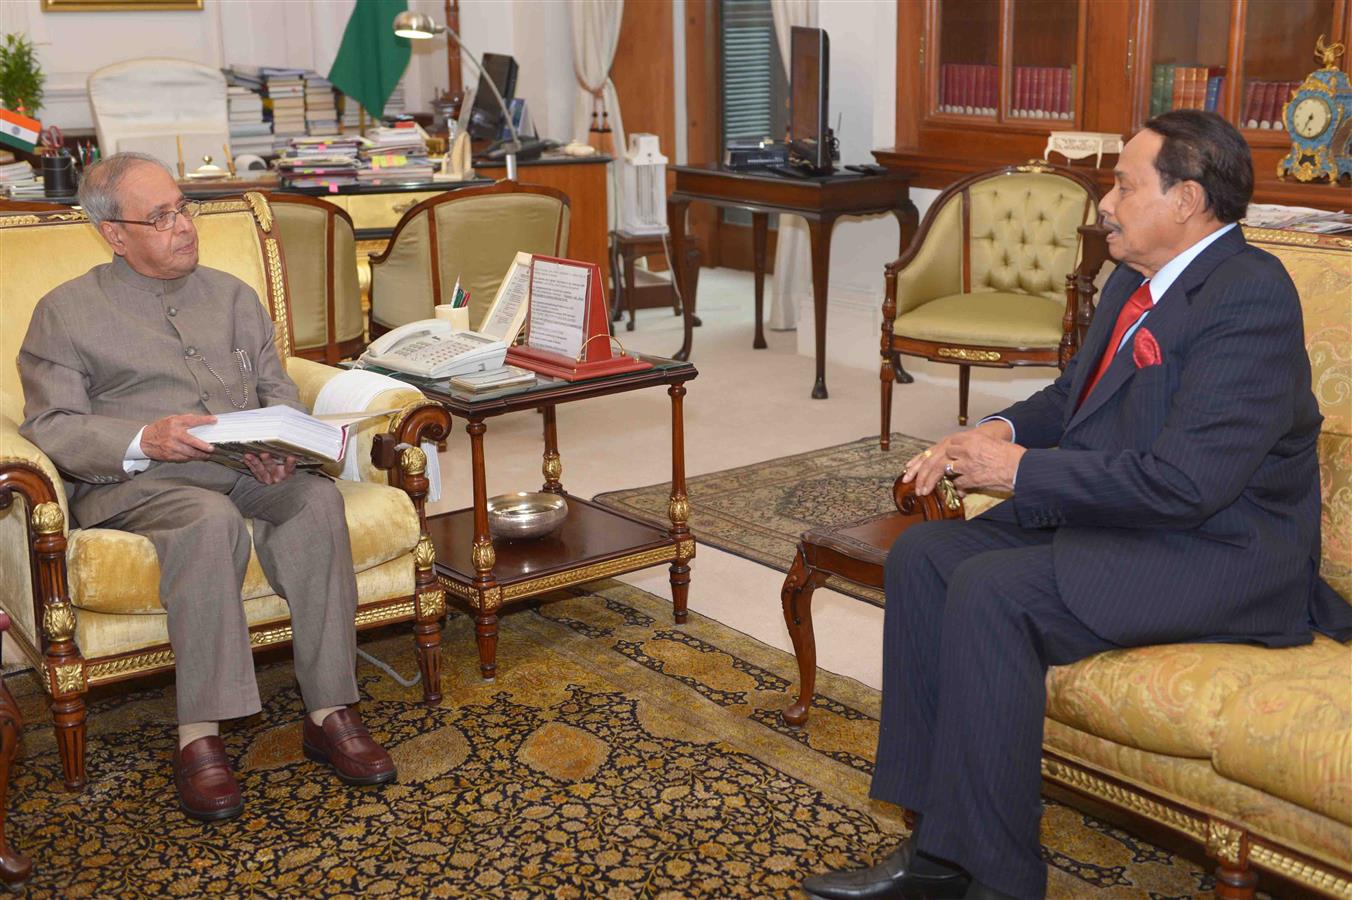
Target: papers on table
x: 558, y: 307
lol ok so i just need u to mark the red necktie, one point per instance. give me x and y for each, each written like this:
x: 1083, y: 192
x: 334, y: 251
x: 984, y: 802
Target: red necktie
x: 1135, y: 307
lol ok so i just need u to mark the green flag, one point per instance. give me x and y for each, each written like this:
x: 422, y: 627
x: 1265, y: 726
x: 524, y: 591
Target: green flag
x: 371, y: 59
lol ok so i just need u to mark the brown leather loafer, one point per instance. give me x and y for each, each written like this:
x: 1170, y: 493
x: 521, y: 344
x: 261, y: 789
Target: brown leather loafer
x: 207, y: 790
x: 344, y: 743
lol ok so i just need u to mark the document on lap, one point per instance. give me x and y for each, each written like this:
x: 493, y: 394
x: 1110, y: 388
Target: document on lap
x: 281, y: 431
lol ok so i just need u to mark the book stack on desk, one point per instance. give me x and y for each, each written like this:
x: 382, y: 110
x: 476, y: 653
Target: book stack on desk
x: 395, y: 155
x: 321, y: 161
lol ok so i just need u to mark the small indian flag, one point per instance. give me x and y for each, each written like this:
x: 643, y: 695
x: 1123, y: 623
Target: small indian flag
x: 19, y: 131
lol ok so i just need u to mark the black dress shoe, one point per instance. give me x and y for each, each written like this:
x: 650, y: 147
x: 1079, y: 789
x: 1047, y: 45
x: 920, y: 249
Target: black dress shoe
x: 900, y: 875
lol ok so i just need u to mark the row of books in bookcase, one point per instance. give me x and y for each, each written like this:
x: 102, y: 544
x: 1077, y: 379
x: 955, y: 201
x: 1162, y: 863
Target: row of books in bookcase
x: 1263, y: 102
x: 1037, y: 92
x: 1185, y: 87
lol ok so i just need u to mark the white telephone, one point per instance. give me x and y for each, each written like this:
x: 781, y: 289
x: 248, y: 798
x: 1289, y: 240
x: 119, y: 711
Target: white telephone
x: 431, y: 349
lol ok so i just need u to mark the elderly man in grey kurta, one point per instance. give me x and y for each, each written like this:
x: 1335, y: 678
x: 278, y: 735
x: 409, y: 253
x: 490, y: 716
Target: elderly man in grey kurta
x: 117, y: 366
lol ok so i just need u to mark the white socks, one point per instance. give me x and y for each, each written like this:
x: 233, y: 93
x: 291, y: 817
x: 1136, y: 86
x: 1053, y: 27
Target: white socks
x: 194, y: 730
x: 319, y: 715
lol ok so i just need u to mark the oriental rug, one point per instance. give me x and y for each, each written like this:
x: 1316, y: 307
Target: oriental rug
x: 616, y: 755
x: 758, y: 511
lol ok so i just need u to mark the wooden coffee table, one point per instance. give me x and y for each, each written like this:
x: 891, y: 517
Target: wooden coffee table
x: 594, y: 542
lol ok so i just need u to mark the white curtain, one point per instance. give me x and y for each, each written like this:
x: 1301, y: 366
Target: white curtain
x: 793, y: 254
x: 596, y: 33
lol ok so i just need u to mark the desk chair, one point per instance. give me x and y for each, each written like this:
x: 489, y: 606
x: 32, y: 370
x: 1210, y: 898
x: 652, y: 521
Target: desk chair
x: 85, y: 601
x: 985, y: 282
x: 471, y: 234
x: 321, y: 271
x: 149, y: 105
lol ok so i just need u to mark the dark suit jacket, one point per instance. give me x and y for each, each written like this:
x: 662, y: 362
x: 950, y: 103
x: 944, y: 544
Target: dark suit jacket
x: 1185, y: 495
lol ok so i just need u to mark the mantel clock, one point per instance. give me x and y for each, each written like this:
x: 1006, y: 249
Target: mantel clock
x: 1319, y: 119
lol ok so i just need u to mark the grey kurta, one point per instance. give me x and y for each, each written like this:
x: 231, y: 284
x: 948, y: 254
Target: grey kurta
x: 112, y: 351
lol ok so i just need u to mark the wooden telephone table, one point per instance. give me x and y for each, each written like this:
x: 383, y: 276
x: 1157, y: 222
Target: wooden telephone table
x: 594, y: 542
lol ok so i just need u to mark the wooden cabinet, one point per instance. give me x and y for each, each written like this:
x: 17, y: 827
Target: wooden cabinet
x: 980, y: 83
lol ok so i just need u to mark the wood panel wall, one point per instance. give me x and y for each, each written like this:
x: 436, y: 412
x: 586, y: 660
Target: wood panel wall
x: 642, y: 72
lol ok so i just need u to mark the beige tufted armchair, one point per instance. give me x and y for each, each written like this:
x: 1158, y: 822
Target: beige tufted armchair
x: 321, y: 273
x: 85, y: 601
x: 472, y: 235
x: 991, y: 278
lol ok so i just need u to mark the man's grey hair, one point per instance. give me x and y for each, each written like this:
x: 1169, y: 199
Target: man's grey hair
x: 98, y: 187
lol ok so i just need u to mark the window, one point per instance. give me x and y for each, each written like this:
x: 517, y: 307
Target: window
x: 755, y: 89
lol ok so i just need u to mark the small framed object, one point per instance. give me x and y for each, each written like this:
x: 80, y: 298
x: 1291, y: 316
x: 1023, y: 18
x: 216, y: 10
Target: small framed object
x: 119, y: 5
x: 568, y: 324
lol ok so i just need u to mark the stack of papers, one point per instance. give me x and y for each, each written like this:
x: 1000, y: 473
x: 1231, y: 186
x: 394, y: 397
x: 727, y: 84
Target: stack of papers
x: 321, y: 161
x: 17, y: 178
x: 395, y: 154
x: 1297, y: 218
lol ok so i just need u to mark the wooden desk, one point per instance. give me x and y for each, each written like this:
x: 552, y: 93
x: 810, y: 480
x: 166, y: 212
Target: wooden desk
x: 586, y: 181
x: 594, y: 542
x: 819, y: 200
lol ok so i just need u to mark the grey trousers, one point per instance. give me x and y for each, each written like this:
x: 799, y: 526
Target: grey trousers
x: 194, y: 515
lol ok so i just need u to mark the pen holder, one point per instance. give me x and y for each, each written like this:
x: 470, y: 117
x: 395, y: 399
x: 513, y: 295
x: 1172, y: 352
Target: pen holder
x: 58, y: 175
x: 457, y: 316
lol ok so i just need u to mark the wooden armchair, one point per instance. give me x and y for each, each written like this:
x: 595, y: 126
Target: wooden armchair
x: 471, y: 235
x: 84, y: 601
x: 985, y: 281
x: 321, y: 274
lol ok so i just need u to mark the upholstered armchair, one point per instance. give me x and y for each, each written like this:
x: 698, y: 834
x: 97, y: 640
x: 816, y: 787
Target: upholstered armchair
x: 990, y: 278
x: 318, y: 241
x: 84, y: 601
x: 471, y: 235
x: 173, y: 109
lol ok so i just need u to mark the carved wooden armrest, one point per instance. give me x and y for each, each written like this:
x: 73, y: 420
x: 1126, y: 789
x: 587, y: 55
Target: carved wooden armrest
x: 942, y: 503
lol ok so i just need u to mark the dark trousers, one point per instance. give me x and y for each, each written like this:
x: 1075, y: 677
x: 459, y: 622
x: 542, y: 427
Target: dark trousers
x: 973, y: 620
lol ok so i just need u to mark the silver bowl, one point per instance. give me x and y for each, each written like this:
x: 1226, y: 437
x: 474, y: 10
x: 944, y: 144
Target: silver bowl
x: 525, y: 515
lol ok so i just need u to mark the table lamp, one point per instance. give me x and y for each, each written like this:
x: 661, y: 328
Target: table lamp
x: 421, y: 27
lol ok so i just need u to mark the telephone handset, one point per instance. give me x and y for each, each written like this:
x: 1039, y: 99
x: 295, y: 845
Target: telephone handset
x: 432, y: 349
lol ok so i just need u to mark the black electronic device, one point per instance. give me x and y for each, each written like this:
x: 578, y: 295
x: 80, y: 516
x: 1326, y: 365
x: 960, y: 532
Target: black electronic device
x: 867, y: 169
x: 744, y: 154
x: 790, y: 171
x: 485, y: 118
x: 811, y: 142
x: 530, y: 149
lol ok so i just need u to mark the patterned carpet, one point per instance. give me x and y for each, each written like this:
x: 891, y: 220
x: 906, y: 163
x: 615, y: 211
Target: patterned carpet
x: 616, y: 756
x: 758, y: 511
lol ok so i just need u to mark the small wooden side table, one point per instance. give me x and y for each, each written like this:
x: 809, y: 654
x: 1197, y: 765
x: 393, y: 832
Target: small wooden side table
x: 627, y: 293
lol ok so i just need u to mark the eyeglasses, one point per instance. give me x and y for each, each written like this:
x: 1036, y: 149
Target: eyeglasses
x: 166, y: 220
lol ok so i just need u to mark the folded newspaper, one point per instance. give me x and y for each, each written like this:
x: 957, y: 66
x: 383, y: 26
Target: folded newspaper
x: 280, y: 431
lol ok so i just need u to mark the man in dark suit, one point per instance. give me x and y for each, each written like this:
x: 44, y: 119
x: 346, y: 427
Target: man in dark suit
x: 1165, y: 488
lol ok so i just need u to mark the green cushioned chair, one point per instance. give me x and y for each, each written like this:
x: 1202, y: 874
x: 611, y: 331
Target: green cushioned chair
x: 992, y: 277
x: 318, y: 243
x: 471, y: 235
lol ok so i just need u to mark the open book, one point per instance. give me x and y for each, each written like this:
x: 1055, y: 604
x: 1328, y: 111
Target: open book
x: 280, y: 431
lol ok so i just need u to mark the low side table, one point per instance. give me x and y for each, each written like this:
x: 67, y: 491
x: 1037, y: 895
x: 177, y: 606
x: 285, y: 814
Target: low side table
x: 594, y: 542
x: 627, y: 293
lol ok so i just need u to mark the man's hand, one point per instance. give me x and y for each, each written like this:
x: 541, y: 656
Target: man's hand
x: 269, y: 469
x: 168, y: 439
x: 983, y: 457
